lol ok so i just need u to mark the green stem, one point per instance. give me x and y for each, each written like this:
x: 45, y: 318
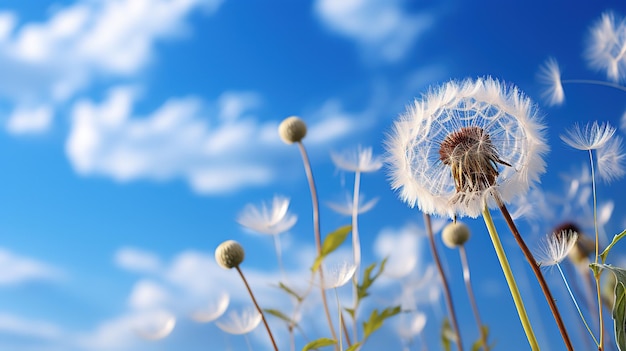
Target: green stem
x: 356, y: 247
x: 510, y: 279
x: 316, y: 231
x: 576, y: 304
x: 597, y: 253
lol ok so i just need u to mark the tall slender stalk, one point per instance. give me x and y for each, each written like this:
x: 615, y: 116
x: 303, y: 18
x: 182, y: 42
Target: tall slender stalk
x: 510, y: 279
x: 257, y: 307
x: 580, y: 313
x: 316, y: 231
x: 356, y: 247
x: 470, y: 294
x: 537, y: 271
x: 444, y: 282
x: 597, y: 253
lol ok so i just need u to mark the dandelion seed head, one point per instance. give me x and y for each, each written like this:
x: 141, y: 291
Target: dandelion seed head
x: 229, y: 254
x: 359, y: 160
x: 337, y: 275
x: 606, y: 46
x: 239, y: 321
x: 611, y: 160
x: 268, y: 219
x: 584, y: 247
x: 555, y: 247
x: 590, y: 137
x: 550, y: 76
x: 463, y: 141
x: 292, y: 130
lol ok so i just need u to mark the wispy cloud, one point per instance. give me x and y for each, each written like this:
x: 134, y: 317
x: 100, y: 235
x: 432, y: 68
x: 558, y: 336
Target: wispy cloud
x: 48, y: 62
x: 383, y: 29
x: 17, y: 269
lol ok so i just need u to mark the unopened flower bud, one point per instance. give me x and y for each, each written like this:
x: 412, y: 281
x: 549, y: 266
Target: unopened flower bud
x: 292, y: 130
x: 229, y: 254
x: 455, y: 234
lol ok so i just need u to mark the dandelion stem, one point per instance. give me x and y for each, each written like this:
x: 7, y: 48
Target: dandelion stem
x: 470, y: 293
x: 269, y: 332
x: 316, y: 230
x: 340, y: 319
x: 510, y: 279
x: 576, y: 304
x: 537, y: 270
x: 594, y: 82
x: 444, y: 281
x: 356, y: 247
x: 597, y: 253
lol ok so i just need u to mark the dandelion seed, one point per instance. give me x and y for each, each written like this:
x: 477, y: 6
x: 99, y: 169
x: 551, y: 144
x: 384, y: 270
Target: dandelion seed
x: 606, y: 46
x: 360, y: 160
x: 240, y: 322
x: 463, y: 141
x: 155, y: 325
x: 213, y: 310
x: 266, y: 219
x: 347, y: 207
x: 337, y: 275
x: 592, y: 136
x: 555, y: 247
x: 611, y: 160
x: 550, y: 76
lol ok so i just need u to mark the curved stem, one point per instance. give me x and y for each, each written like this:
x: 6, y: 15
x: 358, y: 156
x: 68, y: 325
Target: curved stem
x: 316, y: 230
x: 597, y: 253
x: 470, y: 294
x: 444, y: 281
x: 537, y: 270
x: 594, y: 82
x: 580, y: 313
x: 510, y: 279
x: 356, y: 247
x: 257, y: 307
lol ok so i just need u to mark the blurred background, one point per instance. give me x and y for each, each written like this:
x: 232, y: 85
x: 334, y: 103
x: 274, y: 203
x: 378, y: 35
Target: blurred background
x: 135, y: 132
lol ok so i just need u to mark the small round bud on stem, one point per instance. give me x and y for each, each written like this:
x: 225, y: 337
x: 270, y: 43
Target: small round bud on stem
x: 455, y: 234
x: 292, y: 130
x: 229, y: 254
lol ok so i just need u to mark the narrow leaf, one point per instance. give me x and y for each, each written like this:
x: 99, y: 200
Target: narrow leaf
x: 331, y: 243
x: 279, y: 314
x: 322, y: 342
x: 376, y: 319
x: 616, y: 238
x: 445, y: 335
x: 354, y: 347
x: 290, y: 292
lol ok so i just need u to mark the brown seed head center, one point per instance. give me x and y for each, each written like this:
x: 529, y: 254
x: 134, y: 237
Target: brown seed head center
x: 472, y: 158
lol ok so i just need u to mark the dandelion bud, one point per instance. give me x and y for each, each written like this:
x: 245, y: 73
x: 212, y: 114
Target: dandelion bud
x: 292, y: 130
x: 455, y: 234
x: 584, y: 246
x: 229, y: 254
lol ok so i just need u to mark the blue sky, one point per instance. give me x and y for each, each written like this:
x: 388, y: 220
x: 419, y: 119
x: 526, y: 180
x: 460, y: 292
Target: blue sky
x: 135, y: 131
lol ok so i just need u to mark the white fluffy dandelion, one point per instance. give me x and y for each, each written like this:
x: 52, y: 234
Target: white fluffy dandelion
x: 555, y: 247
x: 240, y: 321
x: 611, y: 160
x: 550, y: 76
x: 268, y: 219
x: 463, y: 141
x: 590, y: 137
x: 606, y: 46
x: 337, y: 275
x: 359, y: 160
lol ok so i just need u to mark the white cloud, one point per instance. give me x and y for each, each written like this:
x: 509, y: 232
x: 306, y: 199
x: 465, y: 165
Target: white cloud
x: 147, y: 294
x: 381, y: 27
x: 50, y: 61
x: 137, y: 260
x: 15, y: 269
x: 403, y: 247
x: 30, y: 119
x: 16, y: 325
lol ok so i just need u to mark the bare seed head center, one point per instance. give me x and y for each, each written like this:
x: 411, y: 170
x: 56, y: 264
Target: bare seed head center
x: 472, y: 157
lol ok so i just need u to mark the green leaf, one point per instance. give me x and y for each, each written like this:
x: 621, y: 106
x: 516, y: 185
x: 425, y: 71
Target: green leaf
x: 290, y: 292
x: 619, y: 306
x: 478, y: 344
x: 616, y: 238
x: 322, y: 342
x: 376, y: 319
x: 354, y: 347
x: 331, y: 243
x: 350, y: 311
x: 368, y: 279
x: 279, y: 314
x: 446, y: 330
